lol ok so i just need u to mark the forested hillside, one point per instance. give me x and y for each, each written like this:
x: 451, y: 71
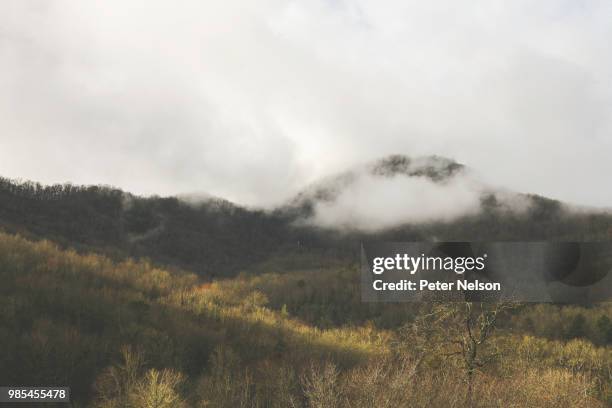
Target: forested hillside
x: 216, y: 238
x: 132, y: 334
x: 209, y: 238
x: 138, y: 302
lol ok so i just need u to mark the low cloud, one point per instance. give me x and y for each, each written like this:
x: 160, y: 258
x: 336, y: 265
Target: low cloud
x: 373, y: 203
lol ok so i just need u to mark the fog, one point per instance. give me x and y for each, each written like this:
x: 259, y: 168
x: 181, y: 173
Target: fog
x: 251, y: 101
x: 373, y: 203
x: 384, y: 194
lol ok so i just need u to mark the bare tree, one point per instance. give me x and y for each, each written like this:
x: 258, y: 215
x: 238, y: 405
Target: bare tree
x: 457, y: 330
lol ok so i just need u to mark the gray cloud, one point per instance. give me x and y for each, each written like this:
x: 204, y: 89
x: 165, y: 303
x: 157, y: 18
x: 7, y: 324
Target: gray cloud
x: 253, y: 100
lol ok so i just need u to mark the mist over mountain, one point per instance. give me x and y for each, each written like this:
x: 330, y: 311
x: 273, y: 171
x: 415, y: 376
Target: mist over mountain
x: 398, y: 190
x: 394, y: 198
x: 434, y: 168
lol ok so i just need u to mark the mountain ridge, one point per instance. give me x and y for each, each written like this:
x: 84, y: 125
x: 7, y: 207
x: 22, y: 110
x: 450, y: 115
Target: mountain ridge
x: 216, y: 237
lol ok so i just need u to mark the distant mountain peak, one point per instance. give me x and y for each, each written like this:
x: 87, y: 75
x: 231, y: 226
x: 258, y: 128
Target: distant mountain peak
x: 436, y: 168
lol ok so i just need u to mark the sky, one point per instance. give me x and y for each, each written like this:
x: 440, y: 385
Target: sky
x: 253, y: 100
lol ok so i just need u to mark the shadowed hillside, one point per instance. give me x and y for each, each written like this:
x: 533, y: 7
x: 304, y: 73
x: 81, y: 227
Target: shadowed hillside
x: 216, y: 238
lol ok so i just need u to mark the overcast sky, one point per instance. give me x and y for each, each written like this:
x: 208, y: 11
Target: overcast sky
x: 251, y: 100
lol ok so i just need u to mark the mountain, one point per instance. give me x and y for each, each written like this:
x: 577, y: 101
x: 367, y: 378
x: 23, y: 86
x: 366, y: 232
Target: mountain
x: 77, y: 309
x: 214, y: 237
x: 435, y: 198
